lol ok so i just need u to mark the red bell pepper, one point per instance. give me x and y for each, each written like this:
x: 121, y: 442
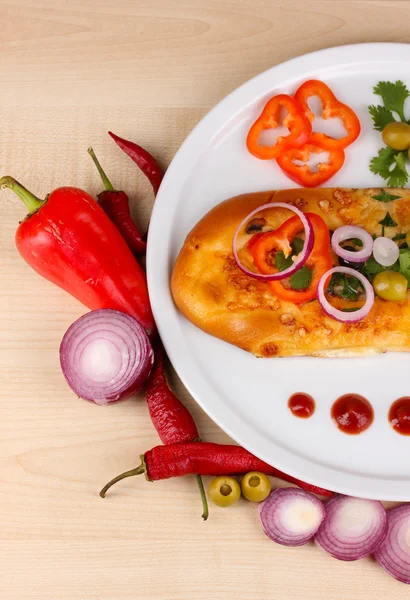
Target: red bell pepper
x: 319, y: 260
x: 69, y: 240
x: 331, y: 108
x: 298, y: 124
x: 302, y: 174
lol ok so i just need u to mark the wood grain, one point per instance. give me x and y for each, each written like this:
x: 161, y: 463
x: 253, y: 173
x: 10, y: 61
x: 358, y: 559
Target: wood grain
x: 148, y: 70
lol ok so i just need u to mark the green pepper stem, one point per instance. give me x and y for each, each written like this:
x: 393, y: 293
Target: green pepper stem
x: 30, y: 200
x: 137, y: 471
x: 205, y: 509
x: 105, y: 180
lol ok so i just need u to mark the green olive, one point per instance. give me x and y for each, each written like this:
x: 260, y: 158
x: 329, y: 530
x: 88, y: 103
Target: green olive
x: 390, y: 285
x: 255, y: 486
x: 397, y: 135
x: 224, y: 491
x: 408, y: 238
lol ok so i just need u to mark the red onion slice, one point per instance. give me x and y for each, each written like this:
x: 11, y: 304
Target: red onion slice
x: 291, y: 516
x: 335, y: 313
x: 353, y: 528
x: 106, y: 356
x: 348, y: 232
x: 302, y: 257
x: 394, y: 553
x: 385, y: 251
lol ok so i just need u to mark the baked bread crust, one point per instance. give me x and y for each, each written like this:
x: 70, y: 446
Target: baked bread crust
x: 214, y: 294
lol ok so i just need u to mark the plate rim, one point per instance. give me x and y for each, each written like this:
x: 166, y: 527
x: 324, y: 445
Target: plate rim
x: 167, y: 315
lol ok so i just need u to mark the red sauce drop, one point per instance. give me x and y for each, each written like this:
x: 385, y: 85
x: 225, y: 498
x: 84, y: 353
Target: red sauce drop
x: 301, y: 405
x: 352, y: 413
x: 399, y: 415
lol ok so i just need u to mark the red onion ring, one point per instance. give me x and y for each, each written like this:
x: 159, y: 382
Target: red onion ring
x: 348, y: 232
x: 353, y: 528
x: 394, y: 553
x: 291, y: 516
x: 106, y: 356
x: 335, y: 313
x: 302, y: 257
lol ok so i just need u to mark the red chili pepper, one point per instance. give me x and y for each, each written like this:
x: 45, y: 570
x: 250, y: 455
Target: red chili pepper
x: 115, y: 204
x: 331, y: 108
x: 143, y: 159
x: 69, y: 240
x: 299, y: 127
x: 171, y: 419
x: 302, y: 173
x: 163, y: 462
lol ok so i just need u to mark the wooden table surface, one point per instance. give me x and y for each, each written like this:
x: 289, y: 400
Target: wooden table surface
x: 148, y: 70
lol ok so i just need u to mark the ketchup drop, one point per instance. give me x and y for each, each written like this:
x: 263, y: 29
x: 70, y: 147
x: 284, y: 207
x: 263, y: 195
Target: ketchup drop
x: 301, y: 405
x: 399, y: 415
x: 352, y: 413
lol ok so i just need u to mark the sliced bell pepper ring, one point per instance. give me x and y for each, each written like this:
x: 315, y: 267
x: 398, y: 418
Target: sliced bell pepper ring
x: 331, y: 108
x: 298, y: 124
x: 319, y: 260
x: 302, y: 174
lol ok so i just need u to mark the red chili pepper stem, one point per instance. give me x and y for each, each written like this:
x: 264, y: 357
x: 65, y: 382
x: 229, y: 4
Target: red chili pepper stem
x: 205, y: 509
x: 108, y: 185
x: 142, y: 470
x: 30, y: 200
x: 131, y: 473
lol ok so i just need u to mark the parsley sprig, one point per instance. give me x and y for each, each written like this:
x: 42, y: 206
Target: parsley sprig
x: 390, y: 164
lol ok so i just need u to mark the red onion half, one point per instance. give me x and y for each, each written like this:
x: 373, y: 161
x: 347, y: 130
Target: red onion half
x: 302, y: 257
x: 290, y: 516
x: 106, y: 356
x: 394, y: 553
x: 335, y: 313
x: 353, y: 528
x: 349, y: 232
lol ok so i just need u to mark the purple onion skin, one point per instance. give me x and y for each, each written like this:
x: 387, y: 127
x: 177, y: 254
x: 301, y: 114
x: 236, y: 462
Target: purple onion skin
x: 339, y: 548
x: 386, y: 554
x: 279, y: 534
x: 76, y: 382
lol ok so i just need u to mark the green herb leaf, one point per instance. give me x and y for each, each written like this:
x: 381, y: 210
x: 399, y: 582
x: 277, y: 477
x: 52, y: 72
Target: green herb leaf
x: 350, y: 309
x: 372, y: 268
x: 390, y: 165
x: 381, y: 116
x: 297, y: 246
x: 399, y: 175
x: 393, y: 95
x: 404, y: 262
x: 385, y: 197
x: 281, y: 262
x: 301, y: 280
x: 345, y: 287
x: 399, y: 236
x: 357, y: 242
x: 388, y: 221
x: 380, y: 164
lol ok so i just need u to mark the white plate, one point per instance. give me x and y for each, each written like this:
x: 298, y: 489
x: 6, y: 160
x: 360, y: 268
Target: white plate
x: 245, y: 396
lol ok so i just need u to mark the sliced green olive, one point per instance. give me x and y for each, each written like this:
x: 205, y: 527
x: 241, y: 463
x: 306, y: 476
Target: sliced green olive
x: 390, y: 285
x: 224, y: 491
x: 255, y: 486
x: 397, y: 135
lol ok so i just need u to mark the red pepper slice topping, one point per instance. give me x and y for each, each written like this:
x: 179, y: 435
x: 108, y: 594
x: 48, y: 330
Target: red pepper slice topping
x: 298, y: 124
x: 302, y: 174
x: 319, y: 260
x: 331, y: 108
